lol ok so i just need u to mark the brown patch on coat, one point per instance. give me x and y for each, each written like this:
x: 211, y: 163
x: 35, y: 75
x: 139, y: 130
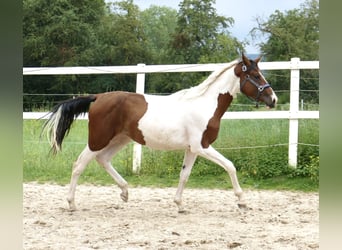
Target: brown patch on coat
x: 213, y: 127
x: 115, y: 113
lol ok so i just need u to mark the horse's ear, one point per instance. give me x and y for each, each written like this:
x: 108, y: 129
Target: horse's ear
x: 258, y: 59
x: 245, y: 60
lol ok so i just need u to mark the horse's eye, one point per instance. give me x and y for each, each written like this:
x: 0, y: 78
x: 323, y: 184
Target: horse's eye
x: 257, y: 77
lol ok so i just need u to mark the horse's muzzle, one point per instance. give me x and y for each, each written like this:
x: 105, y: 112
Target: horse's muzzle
x: 270, y: 101
x: 273, y: 102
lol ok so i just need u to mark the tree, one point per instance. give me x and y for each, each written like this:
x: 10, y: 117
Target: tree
x: 73, y: 33
x: 123, y: 42
x: 127, y: 35
x: 197, y: 32
x: 294, y: 33
x: 59, y: 33
x: 159, y: 23
x: 201, y: 36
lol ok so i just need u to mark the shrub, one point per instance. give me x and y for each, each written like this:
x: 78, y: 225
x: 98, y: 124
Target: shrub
x: 263, y: 163
x: 309, y: 169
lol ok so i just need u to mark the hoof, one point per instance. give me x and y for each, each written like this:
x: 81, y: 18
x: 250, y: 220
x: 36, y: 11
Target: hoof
x: 124, y: 196
x: 72, y: 209
x: 183, y: 211
x: 72, y: 206
x: 242, y: 205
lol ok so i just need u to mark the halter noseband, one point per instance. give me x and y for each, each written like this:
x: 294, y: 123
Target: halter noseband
x: 259, y: 87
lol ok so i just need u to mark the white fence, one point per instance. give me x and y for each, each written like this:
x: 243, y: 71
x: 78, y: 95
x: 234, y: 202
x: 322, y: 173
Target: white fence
x: 293, y: 114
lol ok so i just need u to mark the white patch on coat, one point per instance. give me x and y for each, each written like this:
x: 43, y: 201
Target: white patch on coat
x: 177, y: 121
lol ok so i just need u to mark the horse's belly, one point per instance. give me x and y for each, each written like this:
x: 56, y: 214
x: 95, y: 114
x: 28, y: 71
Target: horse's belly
x: 164, y: 136
x: 167, y: 145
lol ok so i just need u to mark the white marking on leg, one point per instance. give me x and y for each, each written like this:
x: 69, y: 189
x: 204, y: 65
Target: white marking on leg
x: 188, y: 162
x: 104, y: 157
x: 211, y: 154
x: 83, y: 159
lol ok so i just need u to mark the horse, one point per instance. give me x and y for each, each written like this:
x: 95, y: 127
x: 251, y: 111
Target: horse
x: 186, y: 120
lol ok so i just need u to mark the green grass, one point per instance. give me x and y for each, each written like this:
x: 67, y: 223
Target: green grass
x: 258, y: 168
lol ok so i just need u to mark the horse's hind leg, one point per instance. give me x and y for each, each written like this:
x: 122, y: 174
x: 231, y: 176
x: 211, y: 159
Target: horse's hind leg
x: 188, y: 162
x: 104, y: 158
x: 80, y: 164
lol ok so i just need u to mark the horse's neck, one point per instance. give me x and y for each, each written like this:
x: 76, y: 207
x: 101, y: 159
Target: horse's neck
x: 228, y: 82
x: 219, y: 82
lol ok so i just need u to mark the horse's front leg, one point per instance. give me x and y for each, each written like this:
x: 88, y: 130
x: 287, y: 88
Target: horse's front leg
x: 188, y: 162
x: 211, y: 154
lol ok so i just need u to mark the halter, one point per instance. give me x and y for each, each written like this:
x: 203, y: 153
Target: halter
x: 259, y: 87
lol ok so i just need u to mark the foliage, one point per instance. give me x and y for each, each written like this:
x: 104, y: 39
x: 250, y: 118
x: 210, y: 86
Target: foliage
x: 159, y: 23
x: 70, y: 33
x: 60, y: 33
x: 294, y: 33
x: 200, y: 36
x: 309, y: 169
x: 128, y: 39
x: 198, y: 27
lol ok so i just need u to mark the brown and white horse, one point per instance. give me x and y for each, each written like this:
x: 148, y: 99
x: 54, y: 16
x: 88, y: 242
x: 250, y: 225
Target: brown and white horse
x: 188, y: 119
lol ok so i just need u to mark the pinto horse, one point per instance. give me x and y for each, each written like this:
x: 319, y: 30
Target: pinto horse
x: 188, y: 119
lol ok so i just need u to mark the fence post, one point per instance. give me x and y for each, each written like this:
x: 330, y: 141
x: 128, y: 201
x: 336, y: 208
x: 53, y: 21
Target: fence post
x: 137, y: 148
x: 294, y: 108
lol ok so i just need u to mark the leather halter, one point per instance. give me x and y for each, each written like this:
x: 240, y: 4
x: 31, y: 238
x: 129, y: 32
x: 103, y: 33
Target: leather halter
x: 249, y: 79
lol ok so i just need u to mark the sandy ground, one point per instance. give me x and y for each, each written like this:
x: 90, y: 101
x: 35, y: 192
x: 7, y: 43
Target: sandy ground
x: 149, y: 220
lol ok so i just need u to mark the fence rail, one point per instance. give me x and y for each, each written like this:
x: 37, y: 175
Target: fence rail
x: 293, y: 114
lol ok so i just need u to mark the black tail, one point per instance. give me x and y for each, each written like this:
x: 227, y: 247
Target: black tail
x: 62, y: 116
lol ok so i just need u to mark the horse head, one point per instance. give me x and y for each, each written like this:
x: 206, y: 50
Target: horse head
x: 253, y: 84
